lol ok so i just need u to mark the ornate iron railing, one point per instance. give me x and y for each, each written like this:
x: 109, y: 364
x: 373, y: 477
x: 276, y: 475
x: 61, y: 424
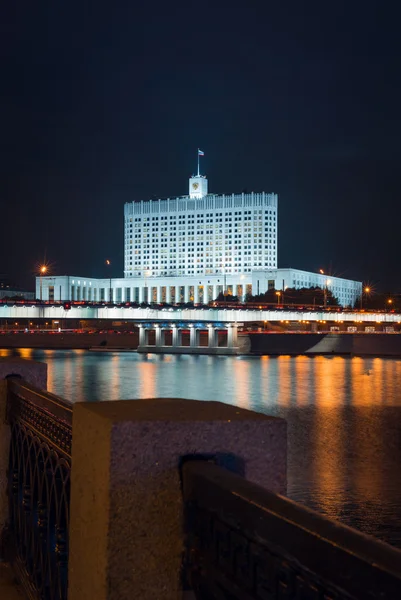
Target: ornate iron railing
x: 39, y: 489
x: 246, y: 543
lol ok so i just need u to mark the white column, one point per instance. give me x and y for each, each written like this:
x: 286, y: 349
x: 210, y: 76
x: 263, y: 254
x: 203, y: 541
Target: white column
x: 214, y: 292
x: 192, y: 336
x: 177, y: 294
x: 232, y: 335
x: 158, y: 294
x: 141, y: 294
x: 158, y: 336
x: 186, y: 293
x: 168, y: 294
x: 175, y: 335
x: 234, y: 289
x: 142, y: 336
x: 212, y: 336
x: 196, y: 294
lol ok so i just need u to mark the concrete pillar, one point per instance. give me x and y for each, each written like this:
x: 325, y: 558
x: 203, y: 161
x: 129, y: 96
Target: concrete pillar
x: 234, y: 286
x: 192, y: 336
x: 175, y: 336
x: 186, y: 293
x: 141, y: 294
x: 232, y: 335
x: 196, y: 294
x: 212, y: 336
x: 215, y: 293
x: 168, y: 294
x: 158, y: 335
x: 126, y: 534
x: 34, y: 373
x: 177, y: 294
x: 142, y: 335
x: 158, y: 294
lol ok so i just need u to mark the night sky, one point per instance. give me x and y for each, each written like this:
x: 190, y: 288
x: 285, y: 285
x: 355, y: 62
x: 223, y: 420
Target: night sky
x: 107, y: 102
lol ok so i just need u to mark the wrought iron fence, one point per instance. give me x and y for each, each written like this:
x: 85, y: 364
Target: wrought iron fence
x: 246, y: 543
x: 39, y: 489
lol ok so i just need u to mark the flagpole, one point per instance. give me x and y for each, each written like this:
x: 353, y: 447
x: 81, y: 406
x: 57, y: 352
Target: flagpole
x: 198, y: 162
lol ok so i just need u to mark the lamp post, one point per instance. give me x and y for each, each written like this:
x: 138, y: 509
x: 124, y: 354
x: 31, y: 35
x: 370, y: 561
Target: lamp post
x: 108, y: 263
x: 42, y: 271
x: 327, y: 282
x: 365, y: 290
x: 147, y: 273
x: 278, y: 294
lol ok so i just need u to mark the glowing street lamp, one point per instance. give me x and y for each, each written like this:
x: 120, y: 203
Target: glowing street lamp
x: 366, y: 291
x: 278, y: 294
x: 108, y: 264
x: 42, y: 271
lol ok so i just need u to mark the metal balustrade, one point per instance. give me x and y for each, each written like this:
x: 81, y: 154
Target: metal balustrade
x: 39, y: 489
x: 246, y: 543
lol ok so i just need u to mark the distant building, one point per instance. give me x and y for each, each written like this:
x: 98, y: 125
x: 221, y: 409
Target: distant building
x: 191, y: 248
x: 10, y: 290
x: 345, y: 290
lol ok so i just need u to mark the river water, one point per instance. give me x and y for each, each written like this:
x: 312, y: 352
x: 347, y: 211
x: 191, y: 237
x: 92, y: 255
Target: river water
x: 343, y: 415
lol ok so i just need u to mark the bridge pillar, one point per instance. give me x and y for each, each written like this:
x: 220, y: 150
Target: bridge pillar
x: 214, y: 292
x: 212, y: 336
x: 196, y: 294
x: 142, y: 335
x: 234, y: 289
x: 158, y: 335
x: 158, y: 294
x: 141, y: 295
x: 232, y: 335
x: 168, y: 294
x: 176, y: 341
x: 192, y: 336
x: 186, y: 293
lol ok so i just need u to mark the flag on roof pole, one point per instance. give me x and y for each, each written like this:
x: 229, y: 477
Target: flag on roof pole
x: 200, y: 153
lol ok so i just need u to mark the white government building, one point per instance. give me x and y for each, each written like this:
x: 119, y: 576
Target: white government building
x: 191, y: 248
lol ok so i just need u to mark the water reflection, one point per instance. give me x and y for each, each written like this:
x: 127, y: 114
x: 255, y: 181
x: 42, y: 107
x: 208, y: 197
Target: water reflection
x: 343, y: 415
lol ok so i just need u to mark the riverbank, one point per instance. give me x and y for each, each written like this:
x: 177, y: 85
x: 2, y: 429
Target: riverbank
x: 310, y: 344
x: 70, y: 341
x: 254, y: 343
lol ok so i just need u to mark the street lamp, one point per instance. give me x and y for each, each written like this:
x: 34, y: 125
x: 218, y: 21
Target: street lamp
x: 42, y: 271
x: 365, y: 290
x: 278, y: 294
x: 147, y: 273
x: 108, y: 263
x: 327, y: 282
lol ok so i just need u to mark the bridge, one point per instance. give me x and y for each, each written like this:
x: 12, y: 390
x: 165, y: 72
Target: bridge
x: 191, y: 315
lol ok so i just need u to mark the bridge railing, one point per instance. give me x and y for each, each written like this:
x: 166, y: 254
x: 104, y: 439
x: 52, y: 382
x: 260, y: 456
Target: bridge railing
x: 39, y: 489
x: 246, y: 543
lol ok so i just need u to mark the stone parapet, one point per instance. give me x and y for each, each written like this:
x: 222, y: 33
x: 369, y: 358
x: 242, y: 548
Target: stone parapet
x: 126, y: 521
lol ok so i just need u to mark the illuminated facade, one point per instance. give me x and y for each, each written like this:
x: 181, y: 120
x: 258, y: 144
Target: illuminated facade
x: 191, y: 248
x: 200, y: 234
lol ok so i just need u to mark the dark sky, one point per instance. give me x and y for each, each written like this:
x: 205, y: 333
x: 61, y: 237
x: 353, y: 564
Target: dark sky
x: 107, y: 102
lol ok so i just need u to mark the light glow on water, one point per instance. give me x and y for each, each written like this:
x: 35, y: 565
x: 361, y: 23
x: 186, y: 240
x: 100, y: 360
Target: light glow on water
x: 343, y: 415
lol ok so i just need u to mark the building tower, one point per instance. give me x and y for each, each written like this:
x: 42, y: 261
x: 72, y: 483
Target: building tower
x: 198, y: 183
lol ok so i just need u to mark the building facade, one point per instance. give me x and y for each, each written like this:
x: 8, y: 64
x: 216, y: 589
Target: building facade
x: 200, y: 234
x: 345, y: 290
x: 191, y: 248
